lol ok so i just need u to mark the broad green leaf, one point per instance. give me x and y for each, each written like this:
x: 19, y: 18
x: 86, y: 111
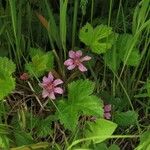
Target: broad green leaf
x: 99, y: 129
x: 114, y: 147
x: 112, y: 59
x: 99, y: 146
x: 124, y: 43
x: 68, y: 115
x: 126, y: 118
x: 80, y: 102
x: 35, y: 51
x: 44, y: 127
x: 133, y: 59
x: 7, y: 65
x: 7, y: 83
x: 98, y: 39
x: 144, y: 141
x: 101, y: 32
x: 100, y: 47
x: 86, y: 34
x: 41, y: 62
x: 80, y: 88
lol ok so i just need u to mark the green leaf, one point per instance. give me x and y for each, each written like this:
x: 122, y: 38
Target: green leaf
x: 114, y: 147
x: 98, y: 39
x: 44, y: 127
x: 123, y: 46
x: 80, y: 88
x: 7, y: 82
x: 100, y: 47
x: 41, y: 126
x: 144, y: 141
x: 86, y: 34
x: 112, y: 59
x: 126, y: 118
x: 133, y: 59
x: 23, y: 138
x: 80, y: 101
x: 7, y: 65
x: 35, y: 51
x: 99, y: 129
x: 100, y: 146
x: 41, y: 62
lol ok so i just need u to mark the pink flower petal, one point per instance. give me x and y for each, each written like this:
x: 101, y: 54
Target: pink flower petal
x: 86, y: 58
x: 82, y: 68
x: 42, y: 85
x: 58, y: 90
x: 72, y: 54
x: 78, y: 53
x: 50, y: 77
x: 45, y: 79
x: 107, y: 115
x: 45, y: 94
x: 71, y: 67
x: 68, y: 62
x: 52, y: 95
x: 57, y: 82
x: 107, y: 108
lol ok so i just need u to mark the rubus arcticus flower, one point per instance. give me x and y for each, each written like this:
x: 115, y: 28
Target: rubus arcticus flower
x: 76, y: 60
x: 107, y: 111
x: 50, y: 86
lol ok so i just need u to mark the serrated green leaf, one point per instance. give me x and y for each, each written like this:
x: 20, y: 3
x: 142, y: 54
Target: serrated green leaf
x: 100, y: 47
x: 35, y: 51
x: 7, y: 83
x: 100, y: 128
x: 101, y: 32
x: 86, y: 34
x: 41, y: 126
x: 126, y: 118
x: 44, y: 127
x: 41, y: 62
x: 80, y: 101
x: 7, y: 65
x: 98, y: 39
x: 80, y: 88
x: 68, y: 115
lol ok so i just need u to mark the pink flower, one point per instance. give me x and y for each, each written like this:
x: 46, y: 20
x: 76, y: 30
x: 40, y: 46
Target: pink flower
x: 50, y: 87
x: 107, y: 111
x: 76, y: 60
